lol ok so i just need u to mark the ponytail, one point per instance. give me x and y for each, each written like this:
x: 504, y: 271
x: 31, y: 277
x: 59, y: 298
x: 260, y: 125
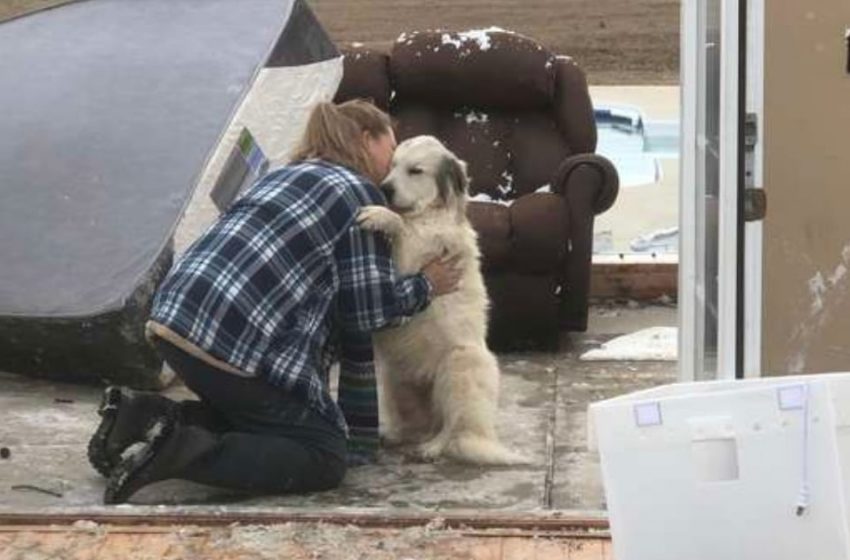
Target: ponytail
x: 335, y: 133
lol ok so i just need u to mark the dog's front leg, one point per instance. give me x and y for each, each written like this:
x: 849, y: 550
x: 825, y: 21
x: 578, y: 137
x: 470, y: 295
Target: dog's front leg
x: 379, y: 218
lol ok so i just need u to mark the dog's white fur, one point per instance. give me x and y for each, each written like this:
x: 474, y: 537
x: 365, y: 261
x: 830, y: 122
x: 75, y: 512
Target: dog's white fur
x: 438, y: 382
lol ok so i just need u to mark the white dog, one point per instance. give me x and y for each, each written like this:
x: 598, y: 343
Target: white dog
x: 438, y: 382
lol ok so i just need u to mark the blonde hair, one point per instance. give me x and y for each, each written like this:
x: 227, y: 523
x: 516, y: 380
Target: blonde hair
x: 335, y: 133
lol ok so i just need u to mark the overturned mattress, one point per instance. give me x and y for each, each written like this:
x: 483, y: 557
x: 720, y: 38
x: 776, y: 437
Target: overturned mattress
x: 111, y: 111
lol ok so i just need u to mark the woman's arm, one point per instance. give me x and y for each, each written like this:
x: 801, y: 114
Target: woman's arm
x: 371, y: 295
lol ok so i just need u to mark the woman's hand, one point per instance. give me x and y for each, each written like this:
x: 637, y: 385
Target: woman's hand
x: 443, y: 274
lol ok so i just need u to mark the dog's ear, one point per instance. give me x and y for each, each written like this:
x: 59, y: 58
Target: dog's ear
x: 452, y: 178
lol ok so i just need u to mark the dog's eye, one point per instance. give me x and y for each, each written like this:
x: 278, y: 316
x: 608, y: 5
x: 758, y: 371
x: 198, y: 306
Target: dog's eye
x: 415, y: 171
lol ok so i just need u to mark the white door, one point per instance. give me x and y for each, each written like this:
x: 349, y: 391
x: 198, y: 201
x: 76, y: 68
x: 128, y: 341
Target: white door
x: 720, y: 254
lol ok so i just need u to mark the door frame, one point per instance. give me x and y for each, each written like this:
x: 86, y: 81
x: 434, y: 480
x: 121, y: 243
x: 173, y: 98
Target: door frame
x: 739, y: 244
x: 754, y: 231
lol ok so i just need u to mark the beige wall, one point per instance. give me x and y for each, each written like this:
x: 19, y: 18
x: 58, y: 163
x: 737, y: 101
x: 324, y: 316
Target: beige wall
x: 806, y: 323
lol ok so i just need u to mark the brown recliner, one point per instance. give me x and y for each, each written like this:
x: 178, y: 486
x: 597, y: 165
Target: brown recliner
x: 522, y: 119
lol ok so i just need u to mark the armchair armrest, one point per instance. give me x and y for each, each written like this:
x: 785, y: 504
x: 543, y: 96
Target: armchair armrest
x: 572, y: 182
x: 589, y: 184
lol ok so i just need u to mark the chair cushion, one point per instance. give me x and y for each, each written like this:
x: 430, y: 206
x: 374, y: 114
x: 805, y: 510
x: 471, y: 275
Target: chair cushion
x: 537, y: 150
x: 365, y: 75
x: 508, y: 155
x: 468, y: 69
x: 573, y: 108
x: 478, y: 138
x: 539, y: 233
x: 528, y: 236
x: 412, y: 119
x: 492, y: 222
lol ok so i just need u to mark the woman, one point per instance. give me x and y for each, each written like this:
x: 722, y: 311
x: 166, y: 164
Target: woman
x: 251, y: 318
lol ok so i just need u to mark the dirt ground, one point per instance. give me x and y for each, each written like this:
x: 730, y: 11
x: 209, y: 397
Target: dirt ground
x: 625, y: 42
x: 14, y: 8
x: 615, y: 41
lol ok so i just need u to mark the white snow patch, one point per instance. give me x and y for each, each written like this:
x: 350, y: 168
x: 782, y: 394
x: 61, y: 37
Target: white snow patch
x: 134, y: 450
x: 547, y: 188
x: 652, y: 344
x: 356, y: 45
x: 508, y: 187
x: 449, y: 40
x: 477, y: 37
x: 484, y: 197
x: 474, y: 117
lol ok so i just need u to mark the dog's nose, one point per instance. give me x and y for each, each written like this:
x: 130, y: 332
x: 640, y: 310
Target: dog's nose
x: 389, y: 191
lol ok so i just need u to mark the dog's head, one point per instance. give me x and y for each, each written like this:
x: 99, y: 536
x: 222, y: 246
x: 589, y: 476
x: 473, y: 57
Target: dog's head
x: 425, y: 175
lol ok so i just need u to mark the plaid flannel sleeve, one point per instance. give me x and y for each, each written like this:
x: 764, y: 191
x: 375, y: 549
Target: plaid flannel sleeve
x: 372, y: 296
x: 358, y: 395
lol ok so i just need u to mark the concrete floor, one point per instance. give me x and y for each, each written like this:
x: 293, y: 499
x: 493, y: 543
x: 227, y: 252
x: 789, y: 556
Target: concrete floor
x: 544, y: 397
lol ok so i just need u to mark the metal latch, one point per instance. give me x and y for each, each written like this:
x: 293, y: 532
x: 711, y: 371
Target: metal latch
x: 751, y: 131
x: 755, y: 200
x: 755, y: 204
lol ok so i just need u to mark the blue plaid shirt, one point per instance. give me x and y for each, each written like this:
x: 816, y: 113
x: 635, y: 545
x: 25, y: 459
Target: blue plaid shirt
x: 285, y: 283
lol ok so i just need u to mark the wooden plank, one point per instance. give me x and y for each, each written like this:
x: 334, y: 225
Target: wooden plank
x: 121, y: 546
x: 105, y: 542
x: 552, y: 549
x: 607, y: 550
x: 517, y: 547
x: 587, y: 550
x: 36, y: 545
x: 637, y: 281
x: 484, y: 549
x: 551, y: 522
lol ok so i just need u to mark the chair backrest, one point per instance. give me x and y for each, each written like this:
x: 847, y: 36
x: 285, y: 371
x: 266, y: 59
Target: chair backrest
x: 503, y: 103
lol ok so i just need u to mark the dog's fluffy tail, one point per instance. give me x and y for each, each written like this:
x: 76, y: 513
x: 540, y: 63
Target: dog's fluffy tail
x: 483, y: 451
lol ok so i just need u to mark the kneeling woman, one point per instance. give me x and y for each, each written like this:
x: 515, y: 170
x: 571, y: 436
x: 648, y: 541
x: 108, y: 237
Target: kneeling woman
x: 251, y: 318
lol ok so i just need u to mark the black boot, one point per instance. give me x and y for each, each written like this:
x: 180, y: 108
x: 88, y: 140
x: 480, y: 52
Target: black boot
x: 173, y: 449
x: 144, y: 462
x: 126, y: 418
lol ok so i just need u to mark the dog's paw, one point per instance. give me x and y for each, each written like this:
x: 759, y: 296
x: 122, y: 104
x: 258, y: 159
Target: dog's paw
x: 378, y: 218
x: 430, y: 450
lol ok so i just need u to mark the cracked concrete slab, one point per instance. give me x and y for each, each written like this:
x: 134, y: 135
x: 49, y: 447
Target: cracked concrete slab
x: 46, y: 427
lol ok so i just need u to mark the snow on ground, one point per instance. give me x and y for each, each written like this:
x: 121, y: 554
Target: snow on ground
x: 654, y: 343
